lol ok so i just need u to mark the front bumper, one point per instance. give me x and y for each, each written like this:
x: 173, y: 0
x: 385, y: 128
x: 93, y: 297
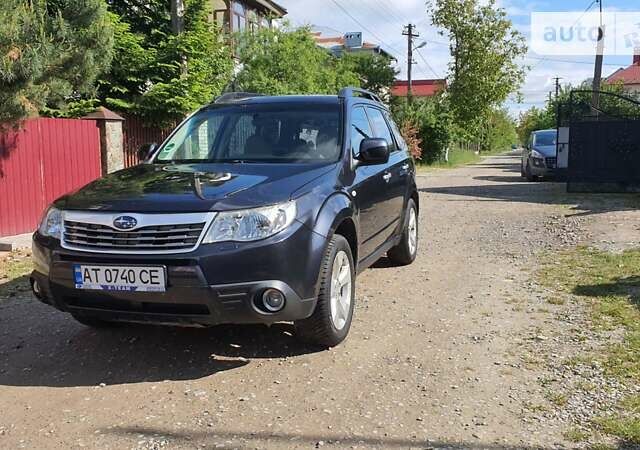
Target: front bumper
x: 215, y: 284
x: 542, y: 167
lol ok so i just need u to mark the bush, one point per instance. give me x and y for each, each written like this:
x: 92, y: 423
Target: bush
x: 432, y: 119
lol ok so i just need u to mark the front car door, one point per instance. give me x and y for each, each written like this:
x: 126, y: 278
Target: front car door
x: 368, y: 188
x: 395, y: 175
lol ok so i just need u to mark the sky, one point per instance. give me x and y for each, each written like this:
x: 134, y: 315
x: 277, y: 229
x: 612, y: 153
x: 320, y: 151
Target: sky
x: 382, y: 22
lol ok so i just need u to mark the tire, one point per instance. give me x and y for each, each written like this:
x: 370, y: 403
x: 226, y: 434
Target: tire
x: 329, y: 324
x: 405, y: 252
x: 527, y: 173
x: 93, y: 322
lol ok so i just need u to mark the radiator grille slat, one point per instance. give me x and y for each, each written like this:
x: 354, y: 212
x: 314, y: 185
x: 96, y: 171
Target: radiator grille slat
x: 155, y: 237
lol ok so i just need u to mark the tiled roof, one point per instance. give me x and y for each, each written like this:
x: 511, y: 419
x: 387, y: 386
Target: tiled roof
x: 630, y: 75
x: 419, y: 88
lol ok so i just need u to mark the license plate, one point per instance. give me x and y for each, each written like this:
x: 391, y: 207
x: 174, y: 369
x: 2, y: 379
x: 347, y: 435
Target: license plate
x: 119, y: 278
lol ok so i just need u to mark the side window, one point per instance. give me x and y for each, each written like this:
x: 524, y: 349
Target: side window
x: 380, y: 127
x: 396, y: 132
x: 360, y: 129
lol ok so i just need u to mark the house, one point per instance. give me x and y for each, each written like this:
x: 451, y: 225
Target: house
x: 629, y: 77
x: 240, y: 15
x: 419, y: 88
x: 349, y: 42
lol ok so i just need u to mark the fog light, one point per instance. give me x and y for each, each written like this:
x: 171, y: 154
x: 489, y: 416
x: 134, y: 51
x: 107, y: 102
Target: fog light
x: 273, y: 300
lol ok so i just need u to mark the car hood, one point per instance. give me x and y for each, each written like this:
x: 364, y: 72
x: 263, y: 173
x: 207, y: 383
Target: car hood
x: 546, y: 150
x: 193, y: 187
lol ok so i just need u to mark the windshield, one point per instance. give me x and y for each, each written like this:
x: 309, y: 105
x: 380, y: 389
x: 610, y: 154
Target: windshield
x: 546, y: 138
x: 274, y: 133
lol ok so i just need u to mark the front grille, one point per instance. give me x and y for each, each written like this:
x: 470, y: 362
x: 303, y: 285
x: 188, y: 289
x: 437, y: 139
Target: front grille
x: 551, y: 162
x: 92, y: 236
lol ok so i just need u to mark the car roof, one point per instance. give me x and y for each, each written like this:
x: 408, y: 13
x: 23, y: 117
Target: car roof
x: 293, y: 99
x: 265, y: 99
x: 551, y: 130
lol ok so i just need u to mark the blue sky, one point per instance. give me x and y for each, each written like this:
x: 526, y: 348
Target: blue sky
x: 382, y: 21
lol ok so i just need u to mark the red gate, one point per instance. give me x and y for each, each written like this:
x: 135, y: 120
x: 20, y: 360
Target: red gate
x: 136, y: 132
x: 40, y: 162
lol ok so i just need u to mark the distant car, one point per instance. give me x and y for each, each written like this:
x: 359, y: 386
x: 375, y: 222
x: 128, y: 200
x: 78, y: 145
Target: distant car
x: 255, y: 210
x: 539, y: 157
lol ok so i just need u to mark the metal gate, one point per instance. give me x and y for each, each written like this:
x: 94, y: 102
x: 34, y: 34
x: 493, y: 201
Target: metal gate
x: 604, y: 144
x: 43, y: 160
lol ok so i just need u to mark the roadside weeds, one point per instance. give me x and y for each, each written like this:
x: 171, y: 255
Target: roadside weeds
x: 597, y: 387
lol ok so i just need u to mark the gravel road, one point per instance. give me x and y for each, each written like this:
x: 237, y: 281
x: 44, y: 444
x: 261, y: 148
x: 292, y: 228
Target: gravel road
x: 435, y: 358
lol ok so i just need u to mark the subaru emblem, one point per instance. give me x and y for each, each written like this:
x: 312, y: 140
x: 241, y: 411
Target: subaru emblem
x: 125, y: 222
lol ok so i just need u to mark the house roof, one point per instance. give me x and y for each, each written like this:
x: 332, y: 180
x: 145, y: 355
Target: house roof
x: 270, y: 6
x: 630, y: 75
x: 419, y: 88
x: 337, y: 44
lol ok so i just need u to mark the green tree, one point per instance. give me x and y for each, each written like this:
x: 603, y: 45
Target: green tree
x: 485, y: 48
x: 157, y: 74
x: 375, y: 72
x: 433, y: 120
x: 614, y: 103
x: 51, y: 52
x: 278, y: 61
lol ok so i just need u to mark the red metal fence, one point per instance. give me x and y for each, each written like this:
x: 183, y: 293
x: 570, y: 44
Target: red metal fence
x: 40, y: 162
x: 136, y: 133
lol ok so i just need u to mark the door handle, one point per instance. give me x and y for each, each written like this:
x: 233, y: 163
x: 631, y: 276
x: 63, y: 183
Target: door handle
x: 405, y: 167
x: 386, y: 176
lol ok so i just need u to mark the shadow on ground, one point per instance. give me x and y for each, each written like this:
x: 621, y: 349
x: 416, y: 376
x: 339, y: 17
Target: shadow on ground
x: 259, y: 439
x: 510, y: 187
x: 40, y: 346
x: 627, y: 286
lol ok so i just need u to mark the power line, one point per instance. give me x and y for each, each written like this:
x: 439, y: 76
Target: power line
x: 565, y: 61
x: 574, y: 24
x: 427, y: 63
x: 390, y: 10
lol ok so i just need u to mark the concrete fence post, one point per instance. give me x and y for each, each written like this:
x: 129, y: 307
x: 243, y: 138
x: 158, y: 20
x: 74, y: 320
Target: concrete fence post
x: 111, y: 139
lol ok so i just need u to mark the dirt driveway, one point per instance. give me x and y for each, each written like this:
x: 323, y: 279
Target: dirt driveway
x: 434, y: 359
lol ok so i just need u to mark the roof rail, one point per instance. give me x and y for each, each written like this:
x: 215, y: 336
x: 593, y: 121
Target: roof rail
x: 233, y: 96
x: 351, y: 91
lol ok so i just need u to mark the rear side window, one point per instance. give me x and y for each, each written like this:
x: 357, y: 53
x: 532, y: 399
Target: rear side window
x: 360, y: 129
x: 380, y: 127
x: 396, y: 132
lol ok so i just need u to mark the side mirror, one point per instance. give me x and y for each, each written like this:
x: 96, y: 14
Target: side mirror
x: 145, y: 151
x: 374, y: 151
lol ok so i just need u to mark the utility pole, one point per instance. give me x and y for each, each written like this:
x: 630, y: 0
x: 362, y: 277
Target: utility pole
x: 557, y: 114
x: 597, y: 76
x: 410, y: 33
x: 557, y: 86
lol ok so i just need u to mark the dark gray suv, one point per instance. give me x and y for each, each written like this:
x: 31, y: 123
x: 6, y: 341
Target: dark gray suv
x: 256, y: 209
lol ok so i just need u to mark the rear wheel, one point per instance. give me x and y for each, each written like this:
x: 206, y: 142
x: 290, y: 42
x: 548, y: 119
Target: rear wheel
x: 93, y: 322
x: 405, y: 252
x: 330, y: 322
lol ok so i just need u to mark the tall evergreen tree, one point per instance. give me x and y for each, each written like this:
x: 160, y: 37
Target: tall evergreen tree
x: 51, y: 52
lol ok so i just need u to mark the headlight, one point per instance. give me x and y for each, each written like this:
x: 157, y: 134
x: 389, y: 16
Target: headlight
x: 250, y: 224
x: 536, y: 154
x: 51, y: 224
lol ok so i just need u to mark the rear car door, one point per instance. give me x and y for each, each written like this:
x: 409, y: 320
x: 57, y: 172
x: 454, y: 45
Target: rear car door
x: 395, y: 174
x: 369, y: 186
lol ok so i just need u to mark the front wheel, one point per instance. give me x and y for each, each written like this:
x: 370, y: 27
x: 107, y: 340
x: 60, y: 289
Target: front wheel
x: 527, y: 173
x: 405, y: 252
x: 330, y: 322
